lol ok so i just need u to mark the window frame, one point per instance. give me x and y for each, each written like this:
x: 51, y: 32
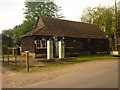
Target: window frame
x: 39, y: 44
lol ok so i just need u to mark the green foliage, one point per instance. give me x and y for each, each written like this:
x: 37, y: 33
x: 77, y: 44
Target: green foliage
x: 6, y: 49
x: 119, y: 23
x: 22, y: 29
x: 104, y: 17
x: 9, y: 33
x: 46, y: 8
x: 6, y: 40
x: 7, y: 37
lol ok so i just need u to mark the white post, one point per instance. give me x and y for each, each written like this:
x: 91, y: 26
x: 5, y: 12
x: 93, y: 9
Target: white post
x: 49, y: 49
x: 61, y: 50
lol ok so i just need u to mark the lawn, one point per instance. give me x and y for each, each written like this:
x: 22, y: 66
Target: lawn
x: 60, y: 63
x: 91, y: 58
x: 11, y: 56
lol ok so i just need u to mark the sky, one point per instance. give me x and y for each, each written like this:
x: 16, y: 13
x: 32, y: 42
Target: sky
x: 11, y: 11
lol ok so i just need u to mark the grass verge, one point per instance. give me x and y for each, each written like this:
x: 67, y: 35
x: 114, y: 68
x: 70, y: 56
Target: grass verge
x: 49, y: 65
x: 11, y: 56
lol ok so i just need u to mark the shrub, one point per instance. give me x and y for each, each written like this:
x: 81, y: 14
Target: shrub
x: 6, y: 50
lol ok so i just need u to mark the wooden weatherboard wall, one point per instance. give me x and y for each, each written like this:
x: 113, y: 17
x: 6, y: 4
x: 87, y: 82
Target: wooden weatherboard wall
x: 27, y: 44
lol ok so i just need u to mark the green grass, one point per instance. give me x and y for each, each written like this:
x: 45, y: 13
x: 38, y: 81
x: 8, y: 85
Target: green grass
x: 11, y: 56
x: 91, y: 58
x: 49, y: 65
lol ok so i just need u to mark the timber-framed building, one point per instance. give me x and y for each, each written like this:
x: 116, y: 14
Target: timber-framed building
x: 79, y: 38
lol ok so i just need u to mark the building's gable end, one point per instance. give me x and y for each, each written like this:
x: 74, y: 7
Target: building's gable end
x: 40, y: 23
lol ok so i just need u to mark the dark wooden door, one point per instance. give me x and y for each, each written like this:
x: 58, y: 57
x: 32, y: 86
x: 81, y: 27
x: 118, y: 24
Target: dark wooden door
x: 93, y: 48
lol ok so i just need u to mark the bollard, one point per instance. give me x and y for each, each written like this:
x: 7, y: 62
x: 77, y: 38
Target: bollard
x: 27, y: 60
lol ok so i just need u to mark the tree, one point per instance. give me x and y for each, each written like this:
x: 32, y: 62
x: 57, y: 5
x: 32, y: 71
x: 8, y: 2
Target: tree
x: 22, y: 29
x: 118, y: 23
x: 46, y: 8
x: 7, y: 37
x: 104, y: 17
x: 9, y: 33
x: 32, y: 11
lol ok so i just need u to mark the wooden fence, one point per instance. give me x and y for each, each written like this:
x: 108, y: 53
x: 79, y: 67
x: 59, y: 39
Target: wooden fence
x: 8, y: 59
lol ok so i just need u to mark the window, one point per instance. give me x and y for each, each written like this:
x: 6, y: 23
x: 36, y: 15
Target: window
x: 40, y: 44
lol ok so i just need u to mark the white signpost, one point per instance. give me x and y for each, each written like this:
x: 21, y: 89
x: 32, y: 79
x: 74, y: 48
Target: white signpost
x: 49, y: 49
x: 61, y: 50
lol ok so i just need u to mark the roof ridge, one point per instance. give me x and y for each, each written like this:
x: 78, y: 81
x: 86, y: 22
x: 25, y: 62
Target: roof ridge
x: 42, y: 17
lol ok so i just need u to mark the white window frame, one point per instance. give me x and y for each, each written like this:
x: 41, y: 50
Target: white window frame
x: 39, y: 44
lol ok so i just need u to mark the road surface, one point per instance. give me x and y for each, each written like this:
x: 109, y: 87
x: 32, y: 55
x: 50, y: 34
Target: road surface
x: 100, y: 77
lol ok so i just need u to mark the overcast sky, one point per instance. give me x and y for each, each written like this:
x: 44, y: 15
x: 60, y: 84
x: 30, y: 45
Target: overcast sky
x: 11, y: 11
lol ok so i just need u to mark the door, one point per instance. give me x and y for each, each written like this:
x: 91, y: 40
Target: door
x: 93, y: 48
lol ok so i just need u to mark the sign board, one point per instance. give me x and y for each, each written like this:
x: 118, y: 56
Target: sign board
x: 61, y: 50
x: 49, y: 49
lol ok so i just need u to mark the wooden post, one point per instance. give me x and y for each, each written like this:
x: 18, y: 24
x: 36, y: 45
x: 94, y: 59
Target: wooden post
x: 27, y: 60
x: 3, y: 57
x: 8, y: 57
x: 15, y: 60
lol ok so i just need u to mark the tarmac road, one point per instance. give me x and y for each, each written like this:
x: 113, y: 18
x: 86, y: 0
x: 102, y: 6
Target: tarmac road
x: 101, y: 77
